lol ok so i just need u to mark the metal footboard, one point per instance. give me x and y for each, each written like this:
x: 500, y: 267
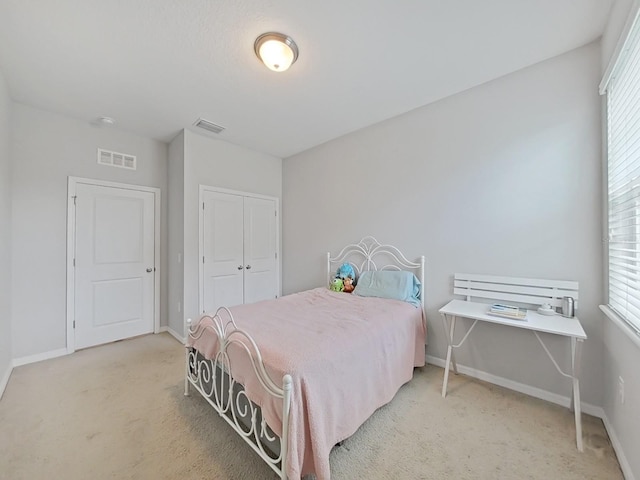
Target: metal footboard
x: 214, y: 381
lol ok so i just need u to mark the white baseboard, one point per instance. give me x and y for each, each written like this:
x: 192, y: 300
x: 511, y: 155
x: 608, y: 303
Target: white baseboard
x: 5, y: 379
x: 173, y: 333
x: 617, y: 446
x: 550, y: 397
x: 587, y: 408
x: 17, y: 362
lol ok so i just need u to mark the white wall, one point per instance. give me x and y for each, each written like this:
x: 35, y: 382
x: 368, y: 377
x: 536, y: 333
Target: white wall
x: 176, y: 234
x: 501, y: 179
x: 621, y: 356
x: 216, y: 163
x: 5, y: 236
x: 621, y: 359
x: 47, y: 148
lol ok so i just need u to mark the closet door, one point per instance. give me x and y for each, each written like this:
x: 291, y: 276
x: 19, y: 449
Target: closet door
x: 260, y: 274
x: 223, y: 265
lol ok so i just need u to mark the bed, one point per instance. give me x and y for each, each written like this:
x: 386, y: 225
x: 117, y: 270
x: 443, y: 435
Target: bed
x: 296, y: 375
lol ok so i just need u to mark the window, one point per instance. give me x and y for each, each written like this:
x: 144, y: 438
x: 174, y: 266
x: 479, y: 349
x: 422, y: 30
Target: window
x: 623, y: 167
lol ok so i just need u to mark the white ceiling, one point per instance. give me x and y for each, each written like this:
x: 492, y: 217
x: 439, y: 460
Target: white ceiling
x: 157, y: 65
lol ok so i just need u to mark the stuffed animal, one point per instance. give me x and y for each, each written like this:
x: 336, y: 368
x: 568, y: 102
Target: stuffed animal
x: 346, y: 270
x: 337, y: 285
x: 348, y: 285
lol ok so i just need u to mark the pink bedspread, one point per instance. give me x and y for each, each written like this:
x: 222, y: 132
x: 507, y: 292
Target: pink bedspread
x: 347, y: 355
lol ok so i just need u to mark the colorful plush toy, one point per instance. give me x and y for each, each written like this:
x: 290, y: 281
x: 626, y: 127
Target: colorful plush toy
x: 348, y: 285
x: 346, y: 270
x: 337, y: 285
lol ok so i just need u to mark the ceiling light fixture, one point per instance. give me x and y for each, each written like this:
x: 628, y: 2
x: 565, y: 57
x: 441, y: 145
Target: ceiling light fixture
x: 100, y: 122
x: 106, y: 121
x: 276, y: 50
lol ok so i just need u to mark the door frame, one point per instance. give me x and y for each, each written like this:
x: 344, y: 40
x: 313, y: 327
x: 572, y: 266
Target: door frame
x: 207, y: 188
x: 71, y: 248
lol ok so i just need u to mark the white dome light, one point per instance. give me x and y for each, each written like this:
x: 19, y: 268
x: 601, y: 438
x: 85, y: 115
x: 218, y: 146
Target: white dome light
x: 276, y: 50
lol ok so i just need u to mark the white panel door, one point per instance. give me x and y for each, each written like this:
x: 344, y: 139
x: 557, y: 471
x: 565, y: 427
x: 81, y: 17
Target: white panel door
x: 260, y: 275
x: 223, y: 266
x: 114, y: 271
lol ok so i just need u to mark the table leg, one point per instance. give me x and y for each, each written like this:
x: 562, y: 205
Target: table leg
x: 453, y: 355
x: 450, y: 357
x: 576, y: 350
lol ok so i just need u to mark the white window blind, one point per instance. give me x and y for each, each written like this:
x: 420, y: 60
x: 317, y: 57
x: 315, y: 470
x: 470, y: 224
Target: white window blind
x: 623, y: 144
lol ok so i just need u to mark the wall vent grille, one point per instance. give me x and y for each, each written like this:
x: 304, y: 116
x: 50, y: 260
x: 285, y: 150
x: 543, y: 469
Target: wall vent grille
x: 209, y: 126
x: 116, y: 159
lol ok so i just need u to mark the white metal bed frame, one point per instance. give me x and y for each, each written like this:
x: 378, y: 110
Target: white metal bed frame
x: 232, y: 403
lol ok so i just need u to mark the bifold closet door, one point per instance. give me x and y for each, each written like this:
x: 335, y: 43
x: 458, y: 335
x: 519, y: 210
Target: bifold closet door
x: 223, y: 242
x: 260, y: 282
x: 239, y: 250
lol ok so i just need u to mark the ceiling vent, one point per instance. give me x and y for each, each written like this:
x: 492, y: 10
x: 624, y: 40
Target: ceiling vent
x: 209, y: 126
x: 115, y: 159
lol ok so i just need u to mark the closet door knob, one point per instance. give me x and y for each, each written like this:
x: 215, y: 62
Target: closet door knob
x: 248, y: 267
x: 240, y: 267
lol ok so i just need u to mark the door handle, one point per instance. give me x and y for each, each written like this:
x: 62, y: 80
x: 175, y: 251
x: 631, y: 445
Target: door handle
x: 149, y: 270
x: 248, y: 267
x: 240, y: 267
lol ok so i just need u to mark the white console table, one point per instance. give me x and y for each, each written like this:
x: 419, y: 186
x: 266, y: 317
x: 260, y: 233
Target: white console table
x: 554, y: 324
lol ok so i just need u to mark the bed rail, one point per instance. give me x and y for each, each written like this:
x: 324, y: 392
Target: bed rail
x: 214, y: 381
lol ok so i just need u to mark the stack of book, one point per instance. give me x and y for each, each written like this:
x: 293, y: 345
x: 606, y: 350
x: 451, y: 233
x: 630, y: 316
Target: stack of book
x: 508, y: 311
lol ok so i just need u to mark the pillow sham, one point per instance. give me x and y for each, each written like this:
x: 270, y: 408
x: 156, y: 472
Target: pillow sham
x: 393, y: 284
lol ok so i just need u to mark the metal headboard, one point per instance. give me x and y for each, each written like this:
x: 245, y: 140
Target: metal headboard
x: 369, y: 254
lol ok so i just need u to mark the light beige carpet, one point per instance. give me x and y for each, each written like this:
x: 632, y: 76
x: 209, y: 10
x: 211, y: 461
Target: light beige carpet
x: 118, y: 412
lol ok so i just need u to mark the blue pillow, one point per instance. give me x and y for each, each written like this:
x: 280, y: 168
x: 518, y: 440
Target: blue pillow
x: 392, y: 284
